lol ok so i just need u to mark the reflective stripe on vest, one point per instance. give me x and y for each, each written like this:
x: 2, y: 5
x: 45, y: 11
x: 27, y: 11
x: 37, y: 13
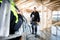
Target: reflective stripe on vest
x: 14, y: 12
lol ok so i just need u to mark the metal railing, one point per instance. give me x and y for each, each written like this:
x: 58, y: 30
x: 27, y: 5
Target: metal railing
x: 26, y: 26
x: 26, y: 29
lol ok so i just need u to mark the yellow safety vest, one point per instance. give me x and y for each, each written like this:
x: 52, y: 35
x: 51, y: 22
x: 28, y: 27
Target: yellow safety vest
x: 14, y: 12
x: 0, y: 1
x: 13, y: 9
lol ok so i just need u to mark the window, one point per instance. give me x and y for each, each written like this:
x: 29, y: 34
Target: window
x: 56, y: 15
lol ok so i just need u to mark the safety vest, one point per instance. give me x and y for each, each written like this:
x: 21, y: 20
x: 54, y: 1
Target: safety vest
x: 13, y: 9
x: 0, y: 1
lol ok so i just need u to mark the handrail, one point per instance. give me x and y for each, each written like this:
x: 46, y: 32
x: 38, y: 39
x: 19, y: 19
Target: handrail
x: 25, y: 20
x: 26, y: 25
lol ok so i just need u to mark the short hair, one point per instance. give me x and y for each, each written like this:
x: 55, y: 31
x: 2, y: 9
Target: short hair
x: 34, y: 7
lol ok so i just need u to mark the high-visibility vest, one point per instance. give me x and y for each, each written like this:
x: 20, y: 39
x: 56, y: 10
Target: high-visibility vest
x: 13, y: 9
x: 0, y: 1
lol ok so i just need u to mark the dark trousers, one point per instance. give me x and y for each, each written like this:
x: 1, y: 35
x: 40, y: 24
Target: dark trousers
x: 34, y: 28
x: 18, y: 25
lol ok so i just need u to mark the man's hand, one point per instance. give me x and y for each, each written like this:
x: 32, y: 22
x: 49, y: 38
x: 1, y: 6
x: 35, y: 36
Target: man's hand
x: 38, y: 22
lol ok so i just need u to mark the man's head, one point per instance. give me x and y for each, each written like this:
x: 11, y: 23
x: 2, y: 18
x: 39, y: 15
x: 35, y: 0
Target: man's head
x: 34, y: 8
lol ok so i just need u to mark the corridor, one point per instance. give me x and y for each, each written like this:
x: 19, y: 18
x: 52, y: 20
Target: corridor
x: 47, y: 29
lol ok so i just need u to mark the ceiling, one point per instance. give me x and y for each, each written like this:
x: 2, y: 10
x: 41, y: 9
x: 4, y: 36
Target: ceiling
x: 51, y: 4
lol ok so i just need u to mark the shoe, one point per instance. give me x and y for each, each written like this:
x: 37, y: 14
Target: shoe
x: 35, y: 36
x: 32, y: 33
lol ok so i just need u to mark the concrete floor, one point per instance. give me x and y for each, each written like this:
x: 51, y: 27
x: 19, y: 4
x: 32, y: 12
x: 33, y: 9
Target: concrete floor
x: 53, y: 36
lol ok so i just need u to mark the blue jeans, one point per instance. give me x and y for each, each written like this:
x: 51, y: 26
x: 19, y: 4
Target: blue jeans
x: 34, y: 28
x: 18, y: 25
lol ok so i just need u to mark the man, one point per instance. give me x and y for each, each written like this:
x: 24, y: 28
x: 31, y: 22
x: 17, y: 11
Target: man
x: 34, y: 20
x: 12, y: 22
x: 20, y: 20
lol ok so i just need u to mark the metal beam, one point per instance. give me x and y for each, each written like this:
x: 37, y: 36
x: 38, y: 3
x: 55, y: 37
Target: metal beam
x: 4, y: 18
